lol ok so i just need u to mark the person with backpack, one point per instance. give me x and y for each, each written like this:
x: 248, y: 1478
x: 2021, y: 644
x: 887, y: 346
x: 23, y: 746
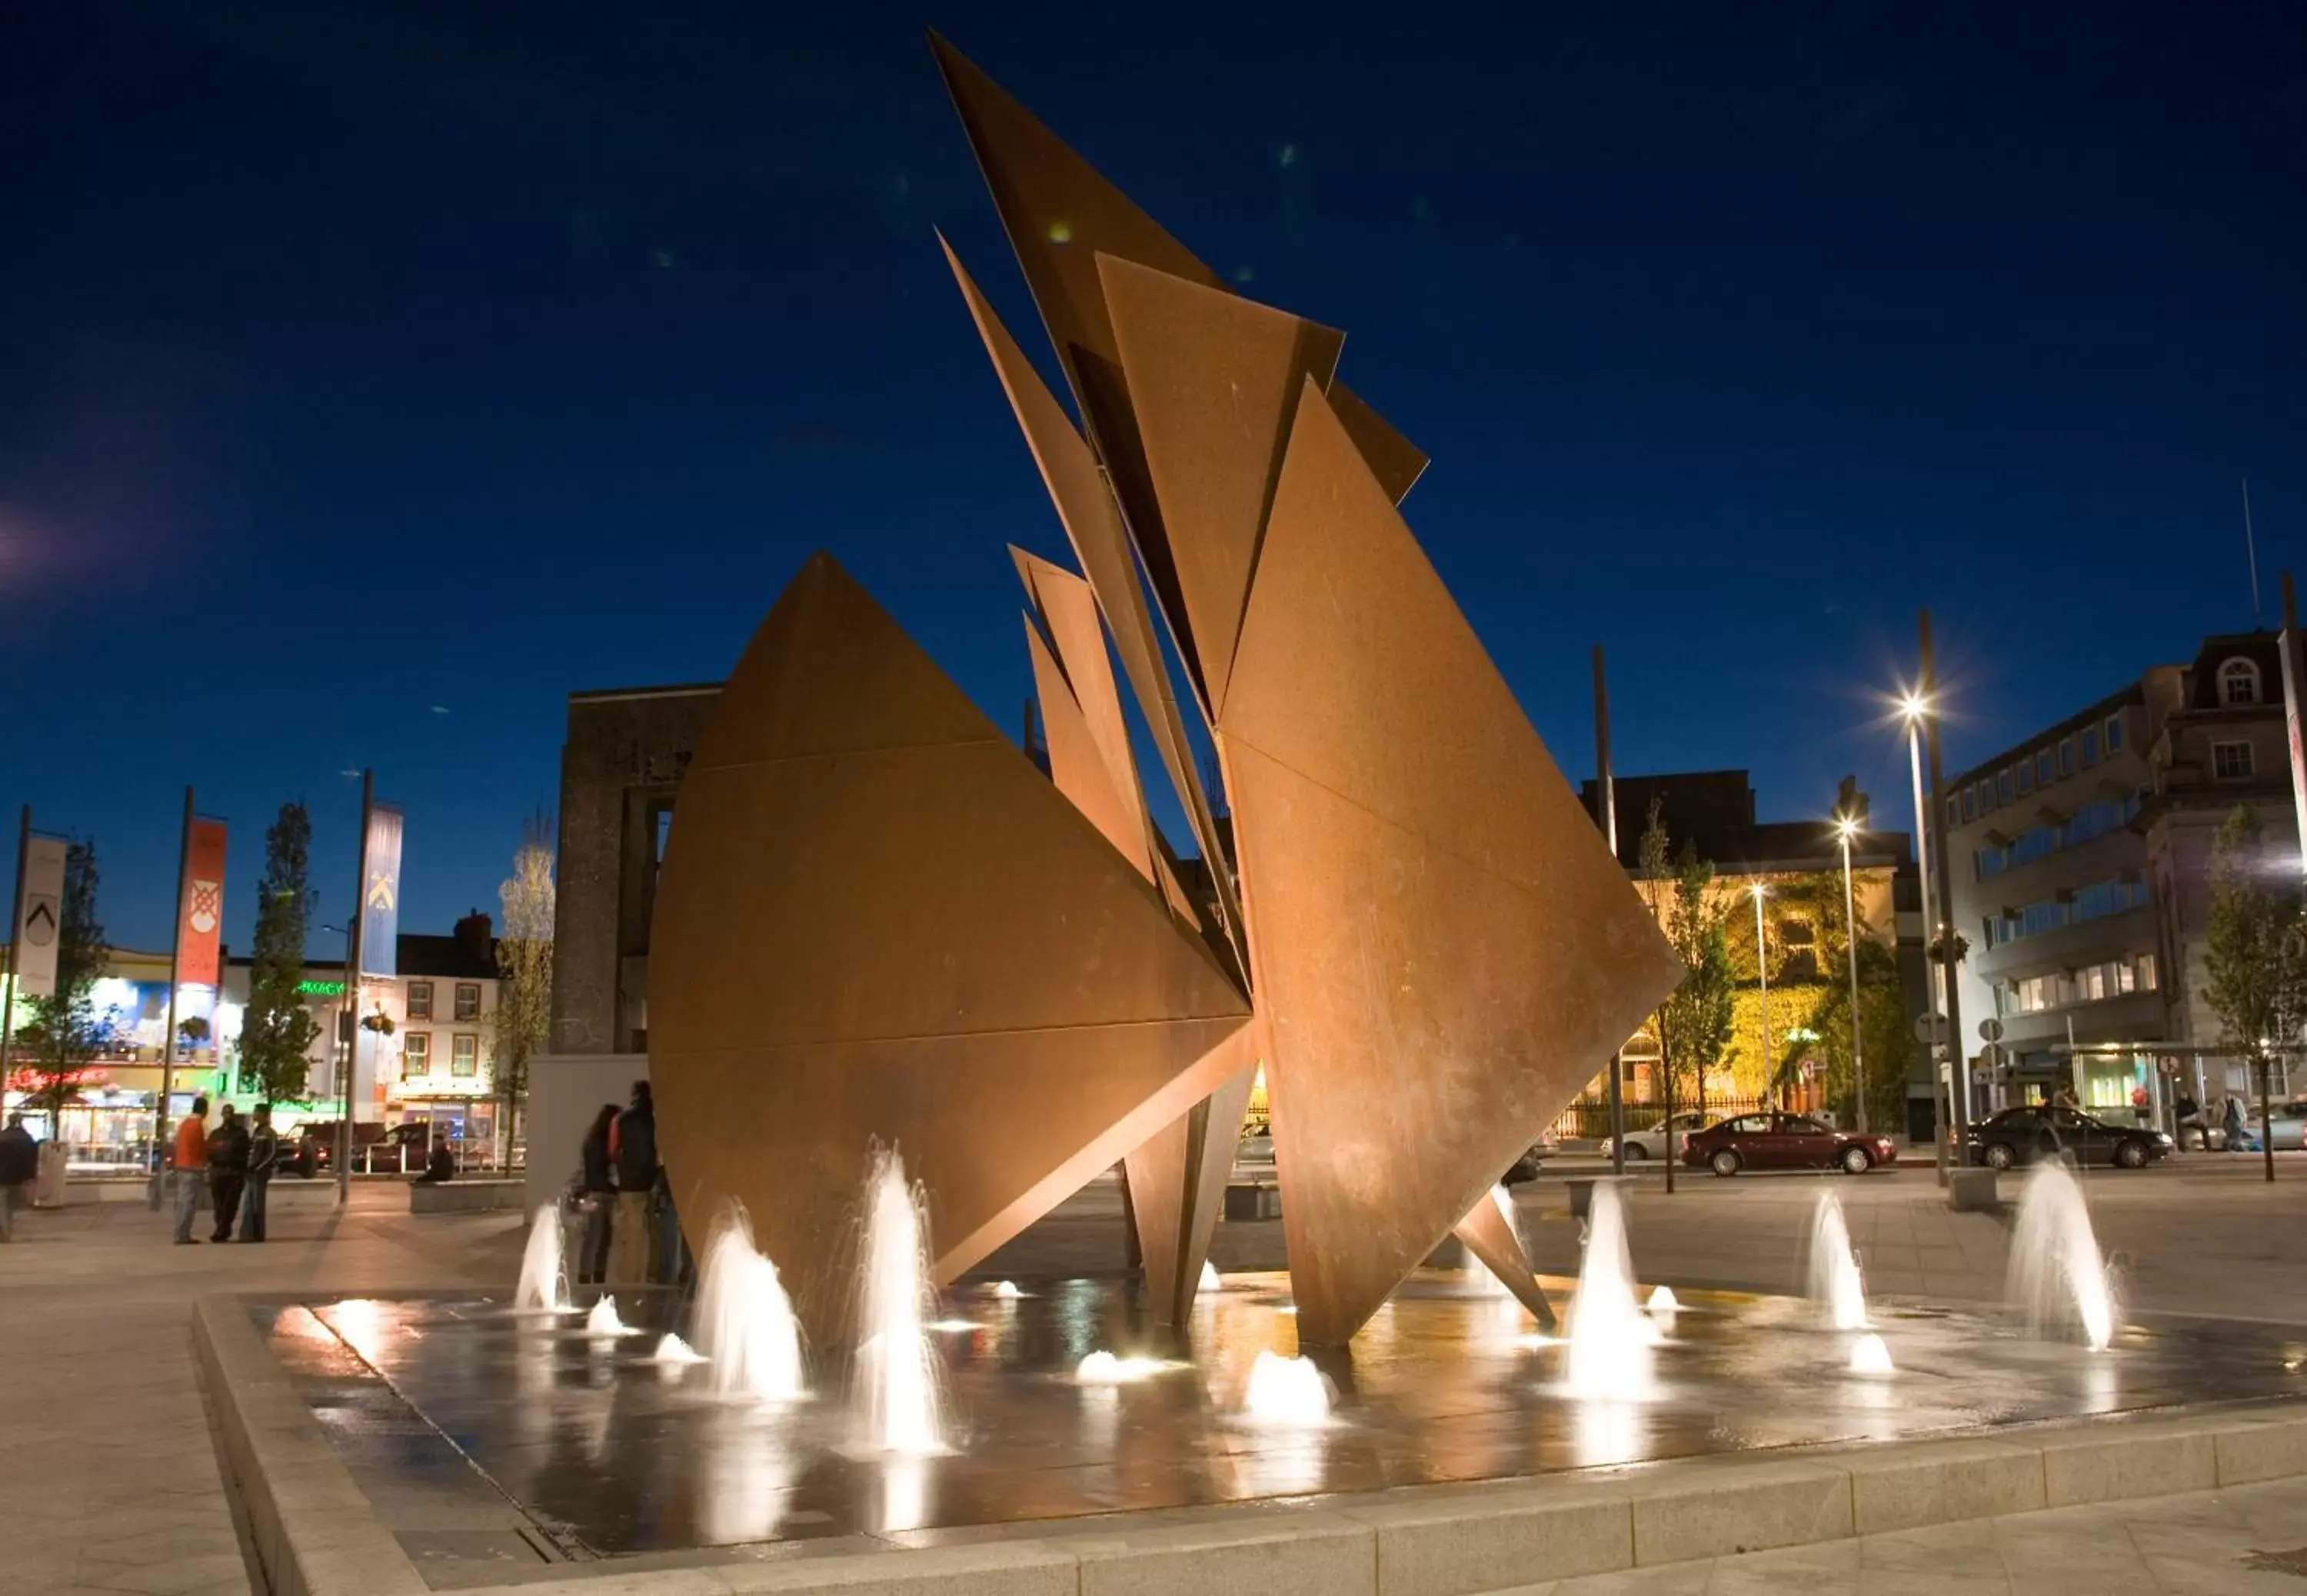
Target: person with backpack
x: 227, y: 1170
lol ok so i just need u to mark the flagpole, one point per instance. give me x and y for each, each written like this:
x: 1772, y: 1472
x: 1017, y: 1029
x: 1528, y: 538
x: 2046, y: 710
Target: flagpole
x: 16, y: 954
x: 352, y: 995
x: 176, y: 955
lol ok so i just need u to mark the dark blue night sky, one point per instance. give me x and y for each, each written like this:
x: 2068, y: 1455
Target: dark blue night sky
x: 372, y: 374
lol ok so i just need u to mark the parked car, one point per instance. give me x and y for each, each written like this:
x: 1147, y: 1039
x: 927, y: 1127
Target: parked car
x: 2034, y: 1130
x: 1784, y: 1142
x: 1664, y: 1138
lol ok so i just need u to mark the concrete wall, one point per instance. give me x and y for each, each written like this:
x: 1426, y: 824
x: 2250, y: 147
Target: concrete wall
x: 564, y: 1093
x: 620, y: 765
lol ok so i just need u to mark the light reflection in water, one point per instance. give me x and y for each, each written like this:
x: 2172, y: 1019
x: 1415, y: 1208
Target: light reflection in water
x: 362, y: 1323
x: 904, y: 1493
x: 1605, y: 1432
x: 747, y: 1471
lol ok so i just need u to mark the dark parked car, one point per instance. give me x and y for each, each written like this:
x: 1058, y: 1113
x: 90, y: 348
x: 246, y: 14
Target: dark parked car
x: 2022, y: 1135
x: 1784, y: 1142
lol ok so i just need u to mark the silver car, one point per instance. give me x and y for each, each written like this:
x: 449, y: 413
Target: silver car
x: 1663, y: 1140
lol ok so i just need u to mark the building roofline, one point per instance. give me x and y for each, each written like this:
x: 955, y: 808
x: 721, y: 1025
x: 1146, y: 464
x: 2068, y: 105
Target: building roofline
x: 697, y: 689
x: 2136, y: 693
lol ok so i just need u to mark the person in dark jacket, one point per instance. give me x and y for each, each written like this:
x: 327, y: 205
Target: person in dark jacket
x: 20, y: 1162
x: 263, y: 1161
x: 227, y: 1171
x: 598, y: 1185
x: 634, y: 1148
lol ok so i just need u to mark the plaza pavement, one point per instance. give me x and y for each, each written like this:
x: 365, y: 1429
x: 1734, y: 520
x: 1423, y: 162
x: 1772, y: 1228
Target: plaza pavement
x: 109, y: 1480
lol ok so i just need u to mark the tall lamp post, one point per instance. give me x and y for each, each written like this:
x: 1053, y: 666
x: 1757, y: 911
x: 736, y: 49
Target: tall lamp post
x: 1762, y: 968
x: 1846, y: 827
x: 1913, y: 707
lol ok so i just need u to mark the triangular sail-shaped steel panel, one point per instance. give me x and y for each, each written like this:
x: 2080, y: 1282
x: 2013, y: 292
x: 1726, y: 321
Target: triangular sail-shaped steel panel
x: 1215, y: 379
x: 1444, y: 949
x: 876, y: 920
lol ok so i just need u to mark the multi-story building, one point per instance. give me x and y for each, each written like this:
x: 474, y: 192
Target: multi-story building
x: 2079, y: 860
x: 1797, y: 867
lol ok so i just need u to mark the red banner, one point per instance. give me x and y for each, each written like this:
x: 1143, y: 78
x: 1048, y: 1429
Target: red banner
x: 201, y: 924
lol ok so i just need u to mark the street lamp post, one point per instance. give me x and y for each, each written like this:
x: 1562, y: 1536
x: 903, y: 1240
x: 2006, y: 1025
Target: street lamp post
x: 1914, y: 706
x: 1846, y: 827
x: 1762, y: 968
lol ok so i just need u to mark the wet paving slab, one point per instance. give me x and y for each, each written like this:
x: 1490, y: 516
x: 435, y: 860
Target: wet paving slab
x: 491, y: 1440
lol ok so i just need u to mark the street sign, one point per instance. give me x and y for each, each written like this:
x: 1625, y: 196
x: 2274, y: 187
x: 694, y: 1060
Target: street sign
x: 1991, y: 1056
x: 1929, y: 1027
x: 1991, y: 1028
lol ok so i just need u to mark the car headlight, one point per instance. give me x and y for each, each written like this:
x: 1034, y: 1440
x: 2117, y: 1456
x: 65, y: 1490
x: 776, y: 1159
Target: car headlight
x: 2162, y: 1138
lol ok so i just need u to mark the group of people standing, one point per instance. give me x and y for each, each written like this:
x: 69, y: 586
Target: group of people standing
x: 232, y: 1166
x: 622, y: 1188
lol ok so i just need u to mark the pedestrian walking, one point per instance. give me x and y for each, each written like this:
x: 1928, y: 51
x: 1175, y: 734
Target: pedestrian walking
x: 227, y: 1170
x: 597, y: 1190
x: 635, y: 1151
x: 264, y: 1159
x: 19, y: 1162
x: 2236, y: 1125
x: 188, y: 1166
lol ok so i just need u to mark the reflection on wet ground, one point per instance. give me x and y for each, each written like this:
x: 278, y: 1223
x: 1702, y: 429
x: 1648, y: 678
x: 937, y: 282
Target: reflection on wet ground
x: 515, y: 1431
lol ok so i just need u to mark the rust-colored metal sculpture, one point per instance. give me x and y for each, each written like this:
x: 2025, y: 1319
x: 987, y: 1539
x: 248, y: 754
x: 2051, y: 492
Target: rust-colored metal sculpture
x: 1441, y: 948
x: 878, y: 920
x: 1177, y: 1178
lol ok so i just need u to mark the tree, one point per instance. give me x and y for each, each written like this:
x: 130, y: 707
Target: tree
x: 1694, y: 1021
x: 2256, y: 947
x: 278, y: 1031
x: 63, y: 1031
x: 524, y: 1016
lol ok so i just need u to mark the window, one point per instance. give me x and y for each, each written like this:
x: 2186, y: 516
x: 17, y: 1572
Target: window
x: 1954, y: 812
x: 2002, y: 787
x: 1986, y: 790
x: 1752, y: 1124
x: 2104, y: 897
x: 2026, y: 777
x: 468, y: 1000
x: 420, y: 1000
x: 1990, y: 926
x: 2034, y: 844
x: 2230, y: 762
x: 464, y: 1056
x: 1796, y: 1125
x: 2045, y: 771
x: 2039, y: 993
x: 1970, y: 803
x: 2238, y: 683
x: 2147, y: 972
x: 2090, y: 746
x: 416, y: 1054
x: 2114, y: 734
x: 1990, y: 862
x: 2066, y: 757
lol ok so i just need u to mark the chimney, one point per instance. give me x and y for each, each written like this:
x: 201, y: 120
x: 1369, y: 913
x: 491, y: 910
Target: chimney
x: 476, y: 938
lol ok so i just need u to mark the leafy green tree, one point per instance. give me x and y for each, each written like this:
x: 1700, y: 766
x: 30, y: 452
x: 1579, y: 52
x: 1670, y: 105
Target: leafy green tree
x: 63, y: 1031
x: 2256, y: 944
x: 524, y: 1013
x: 1694, y: 1023
x: 278, y: 1030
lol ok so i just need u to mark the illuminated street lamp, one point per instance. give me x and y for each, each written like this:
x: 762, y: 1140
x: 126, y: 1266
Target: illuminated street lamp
x: 1913, y: 707
x: 1846, y: 827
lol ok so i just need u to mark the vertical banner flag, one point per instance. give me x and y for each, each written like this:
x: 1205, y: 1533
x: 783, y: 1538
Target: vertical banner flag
x: 381, y: 894
x: 199, y: 938
x: 41, y: 897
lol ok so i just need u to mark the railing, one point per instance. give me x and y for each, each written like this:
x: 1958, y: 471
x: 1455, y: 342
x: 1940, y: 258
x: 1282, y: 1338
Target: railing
x: 1589, y: 1118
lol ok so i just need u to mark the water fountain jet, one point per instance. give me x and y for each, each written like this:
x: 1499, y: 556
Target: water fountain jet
x: 1834, y: 1277
x: 544, y: 1285
x: 744, y: 1321
x: 1610, y: 1337
x: 1286, y: 1393
x: 1870, y: 1354
x: 602, y: 1322
x: 672, y: 1351
x: 2057, y: 1274
x: 896, y: 1392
